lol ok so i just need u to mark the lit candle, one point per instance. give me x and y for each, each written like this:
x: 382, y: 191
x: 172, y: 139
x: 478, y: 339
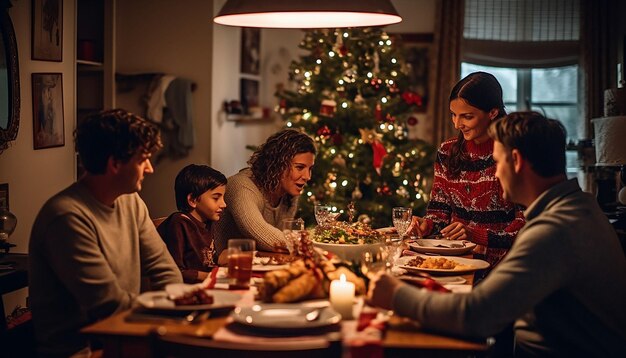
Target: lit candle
x: 342, y: 296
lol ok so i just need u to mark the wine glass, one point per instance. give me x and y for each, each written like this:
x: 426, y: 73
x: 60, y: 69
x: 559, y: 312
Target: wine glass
x: 292, y: 229
x: 323, y: 214
x: 374, y: 261
x: 401, y: 218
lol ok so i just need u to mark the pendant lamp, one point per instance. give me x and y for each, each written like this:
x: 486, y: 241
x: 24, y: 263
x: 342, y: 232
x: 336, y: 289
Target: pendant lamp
x: 302, y: 14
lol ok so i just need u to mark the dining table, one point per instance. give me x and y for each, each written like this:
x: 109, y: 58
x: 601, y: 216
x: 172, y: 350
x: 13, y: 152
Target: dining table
x: 131, y: 334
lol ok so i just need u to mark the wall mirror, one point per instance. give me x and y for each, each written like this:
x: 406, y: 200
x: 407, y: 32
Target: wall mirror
x: 9, y: 79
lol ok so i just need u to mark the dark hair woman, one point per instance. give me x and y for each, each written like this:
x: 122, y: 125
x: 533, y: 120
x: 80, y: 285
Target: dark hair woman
x: 466, y: 199
x: 261, y: 196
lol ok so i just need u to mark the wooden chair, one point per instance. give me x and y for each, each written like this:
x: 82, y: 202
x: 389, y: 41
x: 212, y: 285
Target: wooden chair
x: 158, y: 221
x: 166, y: 345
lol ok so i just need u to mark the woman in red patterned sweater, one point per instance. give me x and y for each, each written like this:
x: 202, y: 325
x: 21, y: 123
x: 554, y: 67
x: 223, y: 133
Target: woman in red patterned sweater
x: 466, y: 199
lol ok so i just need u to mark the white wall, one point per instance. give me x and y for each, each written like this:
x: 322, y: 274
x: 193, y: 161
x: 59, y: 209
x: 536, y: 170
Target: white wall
x: 165, y: 36
x: 35, y: 175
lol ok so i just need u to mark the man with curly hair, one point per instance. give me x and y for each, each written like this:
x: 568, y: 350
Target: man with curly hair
x: 260, y: 197
x: 91, y: 242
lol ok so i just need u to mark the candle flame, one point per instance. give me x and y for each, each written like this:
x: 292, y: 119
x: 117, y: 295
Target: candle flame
x: 342, y: 278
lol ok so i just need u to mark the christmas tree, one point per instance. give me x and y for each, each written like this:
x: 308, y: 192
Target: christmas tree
x: 351, y: 95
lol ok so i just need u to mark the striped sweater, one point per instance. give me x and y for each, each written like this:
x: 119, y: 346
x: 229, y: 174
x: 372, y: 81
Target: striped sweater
x: 474, y: 198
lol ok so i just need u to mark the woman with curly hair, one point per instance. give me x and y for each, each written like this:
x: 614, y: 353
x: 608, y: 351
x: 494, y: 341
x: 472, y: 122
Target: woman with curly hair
x: 259, y: 197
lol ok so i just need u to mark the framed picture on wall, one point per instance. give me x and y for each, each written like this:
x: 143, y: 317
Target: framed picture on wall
x: 250, y: 50
x: 47, y: 31
x: 48, y: 122
x: 249, y: 94
x: 417, y: 51
x: 4, y: 196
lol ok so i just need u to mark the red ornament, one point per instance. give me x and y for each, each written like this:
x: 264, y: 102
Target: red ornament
x: 384, y: 190
x: 390, y: 118
x: 283, y: 103
x: 378, y: 112
x: 380, y: 152
x: 328, y: 107
x: 412, y: 121
x: 412, y: 98
x: 324, y: 131
x: 376, y: 82
x: 343, y: 50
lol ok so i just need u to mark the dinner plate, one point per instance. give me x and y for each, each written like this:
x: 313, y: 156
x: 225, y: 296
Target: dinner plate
x: 284, y: 316
x: 268, y: 267
x: 444, y: 280
x: 442, y: 247
x: 469, y: 265
x: 158, y: 300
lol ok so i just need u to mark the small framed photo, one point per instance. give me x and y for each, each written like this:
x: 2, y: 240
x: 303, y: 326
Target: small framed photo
x: 250, y: 50
x: 4, y: 196
x: 249, y: 94
x: 48, y: 122
x: 47, y: 43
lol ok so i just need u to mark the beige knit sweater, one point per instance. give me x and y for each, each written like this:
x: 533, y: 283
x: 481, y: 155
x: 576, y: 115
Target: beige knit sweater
x: 249, y: 215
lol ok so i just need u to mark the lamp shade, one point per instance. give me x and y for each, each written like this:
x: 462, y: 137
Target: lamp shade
x: 302, y: 14
x: 610, y: 140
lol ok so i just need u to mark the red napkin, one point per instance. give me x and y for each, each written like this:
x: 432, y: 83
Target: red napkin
x: 366, y: 342
x: 213, y: 277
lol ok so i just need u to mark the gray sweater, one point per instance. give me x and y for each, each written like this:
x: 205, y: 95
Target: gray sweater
x: 249, y: 215
x: 564, y: 281
x: 86, y: 261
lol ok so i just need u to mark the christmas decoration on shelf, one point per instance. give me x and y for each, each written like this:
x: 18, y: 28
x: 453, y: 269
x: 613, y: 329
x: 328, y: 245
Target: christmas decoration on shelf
x: 350, y: 92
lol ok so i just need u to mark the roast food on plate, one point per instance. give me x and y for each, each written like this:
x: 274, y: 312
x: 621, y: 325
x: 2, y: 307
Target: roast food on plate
x: 438, y: 263
x: 197, y: 297
x: 340, y: 232
x: 304, y: 279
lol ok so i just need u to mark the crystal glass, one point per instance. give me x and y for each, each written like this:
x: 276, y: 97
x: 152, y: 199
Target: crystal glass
x: 8, y: 222
x: 374, y: 261
x: 401, y: 218
x: 292, y: 229
x: 323, y: 214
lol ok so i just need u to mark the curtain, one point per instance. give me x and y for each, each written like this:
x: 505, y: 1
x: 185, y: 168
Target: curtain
x: 447, y: 65
x: 598, y: 48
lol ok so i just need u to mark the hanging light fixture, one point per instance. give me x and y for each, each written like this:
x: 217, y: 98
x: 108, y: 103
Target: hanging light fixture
x: 307, y: 13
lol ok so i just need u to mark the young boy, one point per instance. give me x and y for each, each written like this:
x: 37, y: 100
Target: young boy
x: 199, y: 193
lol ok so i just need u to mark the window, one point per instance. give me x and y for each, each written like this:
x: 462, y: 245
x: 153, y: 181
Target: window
x: 552, y: 92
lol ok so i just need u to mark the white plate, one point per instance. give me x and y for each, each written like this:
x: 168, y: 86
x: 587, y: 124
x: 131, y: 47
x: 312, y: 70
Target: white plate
x: 444, y: 280
x: 440, y: 246
x: 158, y: 300
x: 264, y: 268
x: 470, y: 265
x: 283, y: 316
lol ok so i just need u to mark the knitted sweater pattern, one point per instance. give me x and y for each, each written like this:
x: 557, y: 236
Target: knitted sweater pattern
x: 474, y: 198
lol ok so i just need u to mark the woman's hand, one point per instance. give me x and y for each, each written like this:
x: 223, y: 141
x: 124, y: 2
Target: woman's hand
x: 381, y: 290
x: 418, y: 227
x: 456, y: 231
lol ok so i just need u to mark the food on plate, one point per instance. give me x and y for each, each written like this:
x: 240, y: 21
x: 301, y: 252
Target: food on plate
x: 197, y: 297
x: 340, y: 232
x: 439, y: 263
x: 304, y: 279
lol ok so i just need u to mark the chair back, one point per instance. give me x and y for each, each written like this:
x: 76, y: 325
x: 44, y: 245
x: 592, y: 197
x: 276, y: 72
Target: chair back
x: 158, y: 221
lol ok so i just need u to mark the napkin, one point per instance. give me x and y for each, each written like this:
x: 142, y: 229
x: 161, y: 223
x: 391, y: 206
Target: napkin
x: 364, y: 336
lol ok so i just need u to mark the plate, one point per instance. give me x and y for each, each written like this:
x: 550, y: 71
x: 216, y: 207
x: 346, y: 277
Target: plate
x: 470, y: 265
x: 444, y: 280
x: 283, y: 316
x: 158, y: 300
x: 439, y: 246
x: 390, y: 230
x: 265, y: 268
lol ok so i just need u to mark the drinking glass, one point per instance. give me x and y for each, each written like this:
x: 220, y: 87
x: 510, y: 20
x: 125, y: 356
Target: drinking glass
x: 374, y: 261
x: 292, y: 229
x: 323, y: 214
x: 401, y: 218
x: 240, y: 255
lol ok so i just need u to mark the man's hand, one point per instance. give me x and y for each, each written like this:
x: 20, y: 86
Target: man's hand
x: 418, y: 227
x: 381, y: 290
x: 456, y: 231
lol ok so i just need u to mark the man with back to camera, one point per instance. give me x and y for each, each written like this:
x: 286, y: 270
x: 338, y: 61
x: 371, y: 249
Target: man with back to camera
x: 564, y: 280
x: 91, y: 242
